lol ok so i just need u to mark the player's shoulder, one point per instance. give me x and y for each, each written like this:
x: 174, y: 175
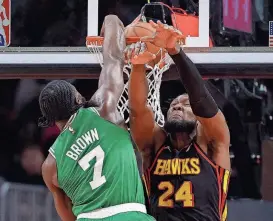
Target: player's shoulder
x: 112, y: 116
x: 88, y: 111
x: 49, y: 163
x: 160, y: 136
x: 150, y: 154
x: 52, y: 150
x: 49, y: 166
x: 58, y: 145
x: 91, y: 110
x: 49, y: 171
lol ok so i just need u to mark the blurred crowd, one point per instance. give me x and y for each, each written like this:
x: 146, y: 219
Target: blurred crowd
x: 24, y: 146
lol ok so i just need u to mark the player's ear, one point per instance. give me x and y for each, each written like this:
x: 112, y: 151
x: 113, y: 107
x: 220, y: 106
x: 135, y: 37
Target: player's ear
x: 79, y: 98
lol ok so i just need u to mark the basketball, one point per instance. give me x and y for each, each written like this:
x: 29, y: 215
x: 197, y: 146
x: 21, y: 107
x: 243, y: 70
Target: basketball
x: 142, y: 29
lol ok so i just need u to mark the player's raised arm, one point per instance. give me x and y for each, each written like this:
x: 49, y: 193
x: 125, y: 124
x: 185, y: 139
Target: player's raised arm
x: 203, y: 105
x: 205, y: 109
x: 111, y: 81
x: 142, y: 123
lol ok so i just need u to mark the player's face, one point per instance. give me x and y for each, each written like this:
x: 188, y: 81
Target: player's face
x: 180, y: 109
x: 180, y: 117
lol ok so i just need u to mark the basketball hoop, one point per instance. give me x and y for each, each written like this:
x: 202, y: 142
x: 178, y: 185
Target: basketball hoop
x: 94, y: 44
x: 154, y: 77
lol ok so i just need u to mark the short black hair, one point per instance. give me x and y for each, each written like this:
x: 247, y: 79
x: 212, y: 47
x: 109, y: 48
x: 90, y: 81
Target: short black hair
x: 57, y: 102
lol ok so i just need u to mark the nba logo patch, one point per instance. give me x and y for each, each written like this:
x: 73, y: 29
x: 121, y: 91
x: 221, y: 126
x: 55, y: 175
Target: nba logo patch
x: 4, y: 23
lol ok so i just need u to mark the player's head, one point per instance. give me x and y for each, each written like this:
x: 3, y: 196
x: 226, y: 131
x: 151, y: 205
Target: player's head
x: 180, y: 117
x: 58, y: 101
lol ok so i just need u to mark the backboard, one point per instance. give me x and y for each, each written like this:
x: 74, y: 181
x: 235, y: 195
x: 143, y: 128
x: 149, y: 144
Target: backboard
x: 43, y: 54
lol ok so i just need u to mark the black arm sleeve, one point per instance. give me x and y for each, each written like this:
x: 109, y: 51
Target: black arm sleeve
x: 202, y: 103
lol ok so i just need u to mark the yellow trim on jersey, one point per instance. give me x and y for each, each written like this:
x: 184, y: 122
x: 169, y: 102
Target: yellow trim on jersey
x: 224, y: 216
x: 223, y: 201
x: 226, y: 181
x: 145, y: 184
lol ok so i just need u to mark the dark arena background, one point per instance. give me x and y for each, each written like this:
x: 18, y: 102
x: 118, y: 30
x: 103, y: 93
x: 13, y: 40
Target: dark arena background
x: 47, y: 41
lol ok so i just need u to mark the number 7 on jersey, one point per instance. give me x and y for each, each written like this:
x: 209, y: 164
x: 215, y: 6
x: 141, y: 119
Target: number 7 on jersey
x: 84, y: 162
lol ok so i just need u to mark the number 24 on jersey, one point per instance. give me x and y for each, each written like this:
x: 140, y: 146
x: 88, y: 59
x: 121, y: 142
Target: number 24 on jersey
x: 183, y: 194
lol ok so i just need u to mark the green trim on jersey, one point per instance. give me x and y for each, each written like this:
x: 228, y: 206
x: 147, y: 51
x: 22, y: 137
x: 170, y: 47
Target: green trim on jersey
x: 96, y: 163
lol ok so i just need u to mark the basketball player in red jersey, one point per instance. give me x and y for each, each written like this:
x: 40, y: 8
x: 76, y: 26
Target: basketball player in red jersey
x: 187, y: 162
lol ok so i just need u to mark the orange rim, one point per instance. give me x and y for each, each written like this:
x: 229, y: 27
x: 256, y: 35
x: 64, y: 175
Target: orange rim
x: 97, y: 40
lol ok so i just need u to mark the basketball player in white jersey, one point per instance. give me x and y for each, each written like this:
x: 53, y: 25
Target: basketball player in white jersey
x: 3, y: 23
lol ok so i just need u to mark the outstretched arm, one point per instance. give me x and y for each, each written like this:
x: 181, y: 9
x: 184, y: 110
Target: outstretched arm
x: 203, y: 105
x: 142, y: 123
x: 111, y: 78
x: 110, y: 86
x: 206, y: 110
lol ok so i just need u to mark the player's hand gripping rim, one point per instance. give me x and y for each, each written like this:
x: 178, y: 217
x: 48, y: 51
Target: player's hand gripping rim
x: 137, y: 54
x: 166, y: 37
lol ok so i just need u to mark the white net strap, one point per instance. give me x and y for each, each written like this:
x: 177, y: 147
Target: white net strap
x: 154, y: 77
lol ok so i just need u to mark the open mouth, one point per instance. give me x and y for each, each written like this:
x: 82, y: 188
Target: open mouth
x: 177, y: 116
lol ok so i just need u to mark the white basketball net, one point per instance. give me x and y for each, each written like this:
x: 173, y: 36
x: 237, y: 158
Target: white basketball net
x: 154, y: 77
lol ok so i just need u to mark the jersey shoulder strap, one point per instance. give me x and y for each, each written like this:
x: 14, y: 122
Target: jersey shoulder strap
x: 94, y: 110
x: 52, y: 150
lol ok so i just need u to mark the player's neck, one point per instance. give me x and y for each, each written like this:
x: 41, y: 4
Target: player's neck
x: 180, y: 140
x: 61, y: 124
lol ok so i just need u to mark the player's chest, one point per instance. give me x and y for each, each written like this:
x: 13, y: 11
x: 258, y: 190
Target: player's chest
x: 177, y: 176
x: 176, y: 172
x: 174, y: 163
x: 180, y: 167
